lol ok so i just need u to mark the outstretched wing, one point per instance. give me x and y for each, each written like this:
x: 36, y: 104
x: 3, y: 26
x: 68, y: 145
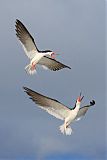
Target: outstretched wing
x: 52, y: 64
x: 82, y: 111
x: 52, y: 106
x: 26, y: 39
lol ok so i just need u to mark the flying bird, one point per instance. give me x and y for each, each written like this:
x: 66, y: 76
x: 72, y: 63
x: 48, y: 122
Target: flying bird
x: 45, y: 58
x: 59, y: 110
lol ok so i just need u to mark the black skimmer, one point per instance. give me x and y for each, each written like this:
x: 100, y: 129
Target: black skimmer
x: 45, y: 58
x: 59, y: 110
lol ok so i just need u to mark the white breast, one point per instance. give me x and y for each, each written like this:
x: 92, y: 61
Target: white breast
x: 37, y: 57
x: 72, y: 115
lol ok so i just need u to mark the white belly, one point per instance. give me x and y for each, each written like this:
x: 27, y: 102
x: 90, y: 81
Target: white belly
x: 71, y: 117
x: 37, y: 58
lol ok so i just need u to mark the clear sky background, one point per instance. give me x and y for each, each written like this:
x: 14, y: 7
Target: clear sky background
x: 76, y: 30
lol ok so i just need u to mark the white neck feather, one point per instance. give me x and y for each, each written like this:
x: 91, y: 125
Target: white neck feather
x: 77, y: 107
x: 48, y: 53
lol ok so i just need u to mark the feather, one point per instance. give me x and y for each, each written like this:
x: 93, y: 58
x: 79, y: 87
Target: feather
x: 26, y: 40
x: 52, y: 64
x: 82, y: 111
x: 50, y: 105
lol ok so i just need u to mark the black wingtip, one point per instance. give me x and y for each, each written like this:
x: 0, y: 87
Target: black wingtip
x: 68, y: 67
x: 64, y: 66
x: 26, y: 89
x: 17, y: 21
x: 92, y: 103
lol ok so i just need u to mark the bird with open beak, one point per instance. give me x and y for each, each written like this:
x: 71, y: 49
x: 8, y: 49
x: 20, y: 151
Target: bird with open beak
x: 59, y: 110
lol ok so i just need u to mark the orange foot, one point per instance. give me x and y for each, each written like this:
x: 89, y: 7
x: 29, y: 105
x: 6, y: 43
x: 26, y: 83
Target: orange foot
x: 33, y: 66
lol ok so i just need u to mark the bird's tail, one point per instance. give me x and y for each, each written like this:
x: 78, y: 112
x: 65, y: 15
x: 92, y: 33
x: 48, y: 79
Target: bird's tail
x: 30, y: 70
x: 64, y: 130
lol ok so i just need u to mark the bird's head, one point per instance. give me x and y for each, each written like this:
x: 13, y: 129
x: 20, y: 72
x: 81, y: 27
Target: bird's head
x: 79, y: 99
x: 51, y: 54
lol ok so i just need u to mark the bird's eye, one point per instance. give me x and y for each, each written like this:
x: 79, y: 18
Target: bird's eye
x: 53, y: 55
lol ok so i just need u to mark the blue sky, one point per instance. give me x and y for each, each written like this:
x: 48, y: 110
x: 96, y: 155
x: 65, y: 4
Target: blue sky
x: 76, y: 30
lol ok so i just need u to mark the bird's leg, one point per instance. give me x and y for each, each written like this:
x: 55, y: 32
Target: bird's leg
x: 67, y: 129
x: 67, y: 125
x: 33, y: 66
